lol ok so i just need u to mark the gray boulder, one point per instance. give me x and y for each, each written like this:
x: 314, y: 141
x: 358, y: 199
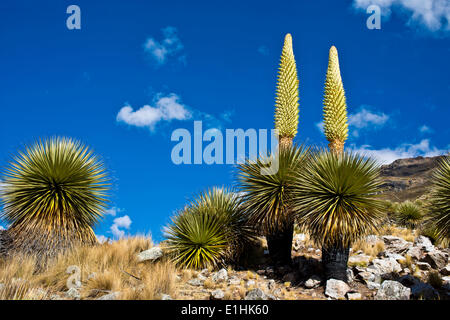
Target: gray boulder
x: 255, y: 294
x: 336, y: 289
x: 73, y: 293
x: 217, y: 295
x: 220, y: 276
x: 110, y: 296
x: 393, y: 290
x: 396, y: 244
x: 312, y: 282
x: 436, y: 259
x: 445, y: 271
x: 385, y: 266
x: 195, y: 282
x: 151, y: 254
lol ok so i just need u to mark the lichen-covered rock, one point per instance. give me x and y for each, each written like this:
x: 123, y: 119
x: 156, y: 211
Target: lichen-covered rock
x: 396, y: 244
x: 393, y: 290
x: 312, y: 282
x: 385, y: 266
x: 220, y: 276
x: 73, y: 293
x: 217, y: 295
x: 151, y: 254
x: 255, y: 294
x: 354, y: 296
x: 436, y: 259
x: 336, y: 289
x: 110, y: 296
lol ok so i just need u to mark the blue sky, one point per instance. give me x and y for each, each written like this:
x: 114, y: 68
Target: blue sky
x: 137, y: 70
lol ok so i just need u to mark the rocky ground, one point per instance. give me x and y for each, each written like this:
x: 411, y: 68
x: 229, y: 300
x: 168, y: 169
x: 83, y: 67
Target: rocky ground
x: 385, y: 268
x: 399, y: 272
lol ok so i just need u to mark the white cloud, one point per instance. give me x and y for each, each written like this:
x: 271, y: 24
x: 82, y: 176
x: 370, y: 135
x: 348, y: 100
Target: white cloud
x: 434, y: 15
x: 169, y: 46
x: 425, y: 129
x: 320, y: 125
x: 366, y: 118
x: 166, y: 108
x: 102, y: 239
x: 113, y: 211
x: 405, y: 150
x: 120, y: 223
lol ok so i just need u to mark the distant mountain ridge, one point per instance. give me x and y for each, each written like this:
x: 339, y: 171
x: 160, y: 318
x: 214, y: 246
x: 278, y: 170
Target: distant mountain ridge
x: 408, y: 179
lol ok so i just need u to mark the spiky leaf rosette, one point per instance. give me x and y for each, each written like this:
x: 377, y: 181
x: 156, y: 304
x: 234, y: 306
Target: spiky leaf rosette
x: 286, y: 102
x: 335, y: 197
x: 53, y: 193
x: 334, y: 105
x: 409, y: 214
x: 266, y: 197
x: 210, y: 231
x: 440, y: 200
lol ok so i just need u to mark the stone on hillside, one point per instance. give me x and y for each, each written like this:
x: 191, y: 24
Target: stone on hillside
x: 217, y: 295
x: 110, y: 296
x: 392, y: 290
x: 396, y: 244
x: 415, y: 253
x: 151, y: 254
x: 359, y: 260
x: 195, y: 282
x: 73, y: 293
x: 385, y: 266
x: 336, y: 289
x: 368, y: 276
x: 424, y: 243
x: 397, y: 257
x: 220, y: 276
x: 373, y: 285
x: 436, y: 259
x: 271, y: 284
x: 234, y: 280
x: 313, y: 282
x: 372, y: 239
x: 255, y: 294
x: 424, y: 291
x: 423, y: 266
x: 166, y: 297
x: 408, y: 280
x: 250, y: 283
x: 297, y: 242
x: 354, y: 296
x: 350, y: 275
x: 445, y: 271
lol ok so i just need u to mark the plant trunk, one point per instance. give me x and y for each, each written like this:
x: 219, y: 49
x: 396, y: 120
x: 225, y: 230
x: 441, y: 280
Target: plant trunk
x: 279, y: 244
x: 334, y: 261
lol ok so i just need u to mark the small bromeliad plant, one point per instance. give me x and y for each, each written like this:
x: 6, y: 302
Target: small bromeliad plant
x: 334, y: 197
x: 210, y: 231
x: 409, y: 214
x: 53, y: 193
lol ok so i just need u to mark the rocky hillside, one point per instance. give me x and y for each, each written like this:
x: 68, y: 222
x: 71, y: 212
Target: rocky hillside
x: 408, y: 179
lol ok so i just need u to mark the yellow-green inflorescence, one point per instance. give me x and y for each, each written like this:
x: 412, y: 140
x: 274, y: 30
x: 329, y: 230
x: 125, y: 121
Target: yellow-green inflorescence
x: 334, y: 105
x: 287, y: 100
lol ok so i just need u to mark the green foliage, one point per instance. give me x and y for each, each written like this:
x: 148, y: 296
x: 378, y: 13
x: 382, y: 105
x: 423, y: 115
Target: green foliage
x: 267, y: 196
x: 409, y: 214
x: 440, y: 200
x: 334, y: 104
x: 335, y: 198
x: 286, y: 102
x: 53, y: 193
x: 210, y: 231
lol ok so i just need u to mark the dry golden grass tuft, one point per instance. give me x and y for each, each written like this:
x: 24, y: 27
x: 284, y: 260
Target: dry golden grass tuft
x: 109, y: 267
x: 370, y: 249
x: 405, y: 233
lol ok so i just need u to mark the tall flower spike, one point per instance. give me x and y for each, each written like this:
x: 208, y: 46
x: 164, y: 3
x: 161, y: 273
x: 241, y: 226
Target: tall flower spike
x: 286, y: 101
x: 334, y: 105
